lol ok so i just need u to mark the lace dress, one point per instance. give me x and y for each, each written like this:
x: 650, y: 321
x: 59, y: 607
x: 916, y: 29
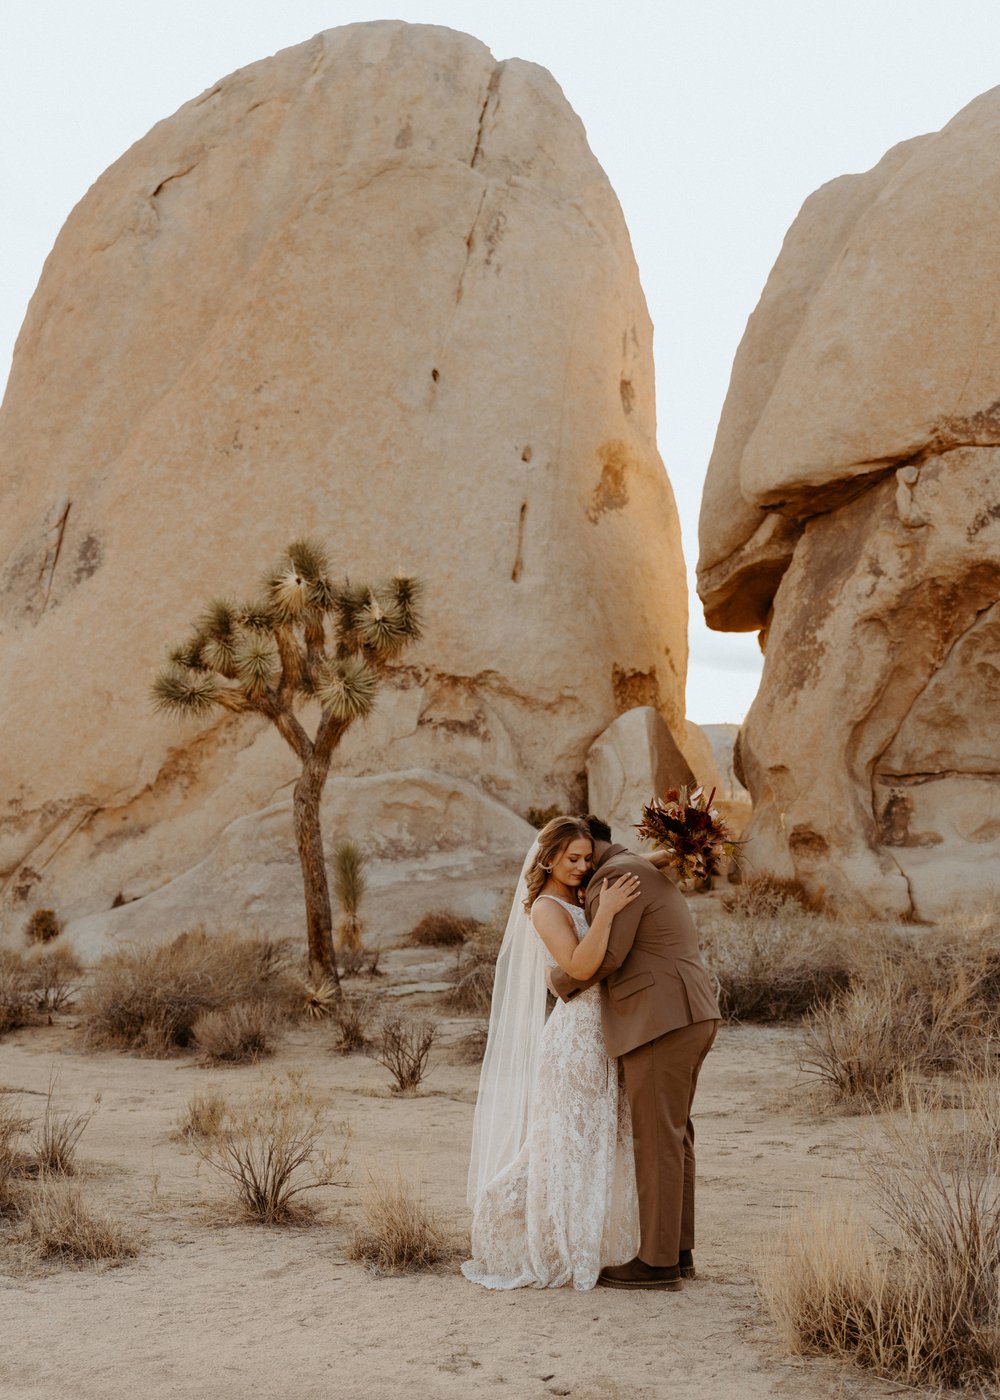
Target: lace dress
x: 567, y: 1205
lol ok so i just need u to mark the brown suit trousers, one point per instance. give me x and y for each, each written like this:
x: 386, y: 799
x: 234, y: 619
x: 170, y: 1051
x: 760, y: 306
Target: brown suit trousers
x: 660, y: 1080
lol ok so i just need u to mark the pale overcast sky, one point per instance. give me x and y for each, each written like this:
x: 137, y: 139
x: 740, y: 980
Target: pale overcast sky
x: 714, y: 119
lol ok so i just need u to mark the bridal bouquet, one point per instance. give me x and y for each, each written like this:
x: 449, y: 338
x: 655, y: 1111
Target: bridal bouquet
x: 688, y: 829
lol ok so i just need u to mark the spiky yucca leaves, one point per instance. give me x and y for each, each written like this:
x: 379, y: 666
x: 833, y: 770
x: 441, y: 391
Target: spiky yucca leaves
x: 319, y: 999
x: 180, y: 690
x: 407, y: 596
x: 305, y: 638
x: 347, y: 689
x: 219, y: 632
x: 255, y: 662
x: 349, y: 884
x: 256, y: 617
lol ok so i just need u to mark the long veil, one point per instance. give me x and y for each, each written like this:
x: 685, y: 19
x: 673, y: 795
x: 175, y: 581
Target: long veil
x: 517, y: 1020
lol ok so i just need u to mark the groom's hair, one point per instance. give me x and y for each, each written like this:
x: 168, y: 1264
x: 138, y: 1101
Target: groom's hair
x: 598, y: 829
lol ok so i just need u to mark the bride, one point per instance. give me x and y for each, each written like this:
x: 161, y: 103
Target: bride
x: 552, y: 1177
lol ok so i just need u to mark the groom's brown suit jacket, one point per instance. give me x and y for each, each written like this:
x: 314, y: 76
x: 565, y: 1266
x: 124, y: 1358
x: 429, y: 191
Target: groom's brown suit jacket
x: 654, y: 980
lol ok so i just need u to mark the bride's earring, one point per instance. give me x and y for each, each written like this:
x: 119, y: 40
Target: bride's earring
x: 547, y: 869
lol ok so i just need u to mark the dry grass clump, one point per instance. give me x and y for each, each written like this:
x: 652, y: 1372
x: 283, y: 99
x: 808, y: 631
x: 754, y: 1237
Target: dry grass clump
x: 475, y: 967
x: 240, y: 1034
x: 471, y: 1048
x: 442, y: 929
x: 270, y: 1152
x: 930, y: 1004
x: 399, y: 1234
x: 359, y: 962
x: 773, y: 959
x: 57, y: 1223
x: 770, y: 894
x: 13, y: 1126
x: 42, y: 926
x: 149, y: 999
x: 353, y: 1016
x: 403, y: 1047
x: 204, y: 1116
x: 914, y: 1297
x: 57, y: 1137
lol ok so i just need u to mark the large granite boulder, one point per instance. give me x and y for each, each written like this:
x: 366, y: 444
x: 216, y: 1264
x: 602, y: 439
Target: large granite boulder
x: 636, y: 757
x: 852, y: 512
x: 375, y: 289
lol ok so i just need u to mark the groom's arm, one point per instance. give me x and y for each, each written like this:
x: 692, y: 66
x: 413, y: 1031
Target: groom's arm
x: 624, y: 927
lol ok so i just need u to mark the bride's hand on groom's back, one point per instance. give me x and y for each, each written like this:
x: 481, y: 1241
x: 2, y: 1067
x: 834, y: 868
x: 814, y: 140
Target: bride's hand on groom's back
x: 612, y: 899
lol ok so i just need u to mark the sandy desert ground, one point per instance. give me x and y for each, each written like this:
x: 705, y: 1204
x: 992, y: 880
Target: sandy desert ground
x: 221, y: 1310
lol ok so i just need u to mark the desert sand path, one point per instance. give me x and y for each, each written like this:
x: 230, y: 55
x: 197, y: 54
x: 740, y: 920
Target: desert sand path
x: 223, y: 1311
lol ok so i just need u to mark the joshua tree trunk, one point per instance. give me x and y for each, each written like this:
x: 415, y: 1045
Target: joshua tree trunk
x: 309, y: 840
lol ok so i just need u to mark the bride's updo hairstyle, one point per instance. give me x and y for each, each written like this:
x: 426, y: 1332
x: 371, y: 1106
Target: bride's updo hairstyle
x: 553, y: 839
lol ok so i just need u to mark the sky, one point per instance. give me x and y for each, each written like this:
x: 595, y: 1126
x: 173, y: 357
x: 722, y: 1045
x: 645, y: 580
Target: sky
x: 714, y: 120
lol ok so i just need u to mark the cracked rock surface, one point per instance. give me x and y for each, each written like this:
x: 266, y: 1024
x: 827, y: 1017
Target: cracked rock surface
x: 852, y: 513
x: 375, y: 289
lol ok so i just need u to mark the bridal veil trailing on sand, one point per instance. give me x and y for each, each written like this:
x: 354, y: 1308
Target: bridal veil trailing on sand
x: 510, y: 1064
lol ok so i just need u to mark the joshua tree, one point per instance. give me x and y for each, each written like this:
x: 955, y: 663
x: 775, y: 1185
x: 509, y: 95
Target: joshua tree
x: 349, y: 884
x: 304, y: 639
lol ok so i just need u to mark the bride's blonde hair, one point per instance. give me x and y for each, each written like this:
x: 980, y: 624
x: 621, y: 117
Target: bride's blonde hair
x: 553, y: 839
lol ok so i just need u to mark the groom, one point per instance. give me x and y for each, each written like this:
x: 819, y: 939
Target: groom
x: 660, y: 1016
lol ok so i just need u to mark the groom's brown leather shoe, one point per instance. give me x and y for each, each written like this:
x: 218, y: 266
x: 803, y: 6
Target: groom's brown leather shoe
x: 687, y: 1264
x: 636, y: 1274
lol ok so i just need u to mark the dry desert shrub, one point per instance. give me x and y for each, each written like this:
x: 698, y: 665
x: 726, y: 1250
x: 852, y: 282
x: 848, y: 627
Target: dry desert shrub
x: 240, y: 1034
x: 475, y: 967
x: 866, y: 1042
x: 42, y: 926
x: 398, y: 1234
x: 44, y: 981
x: 270, y: 1151
x: 57, y: 1223
x: 471, y: 1048
x: 204, y: 1116
x: 769, y: 894
x: 359, y: 962
x: 913, y: 1297
x: 775, y: 960
x: 56, y: 976
x: 353, y: 1016
x: 148, y: 999
x: 16, y: 1000
x: 442, y: 929
x: 929, y: 1004
x: 403, y: 1047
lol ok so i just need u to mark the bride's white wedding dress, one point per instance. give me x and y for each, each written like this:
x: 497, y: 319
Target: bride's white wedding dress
x: 567, y: 1205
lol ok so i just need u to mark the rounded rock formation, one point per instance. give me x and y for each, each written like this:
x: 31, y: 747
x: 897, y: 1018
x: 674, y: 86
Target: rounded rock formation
x: 852, y: 512
x: 375, y: 289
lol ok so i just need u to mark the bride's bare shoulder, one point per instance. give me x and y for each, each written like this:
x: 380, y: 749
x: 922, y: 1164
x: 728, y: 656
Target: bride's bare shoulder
x: 549, y: 914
